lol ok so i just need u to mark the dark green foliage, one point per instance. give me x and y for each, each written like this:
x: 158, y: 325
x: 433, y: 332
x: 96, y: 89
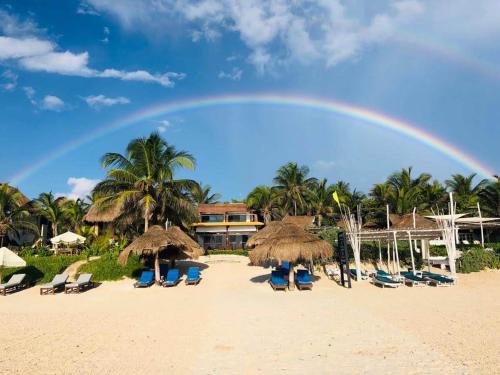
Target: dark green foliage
x: 477, y: 259
x: 107, y: 268
x: 438, y: 251
x: 227, y: 252
x: 42, y: 269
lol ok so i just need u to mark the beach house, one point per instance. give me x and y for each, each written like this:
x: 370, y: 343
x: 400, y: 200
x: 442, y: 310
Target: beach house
x: 225, y: 225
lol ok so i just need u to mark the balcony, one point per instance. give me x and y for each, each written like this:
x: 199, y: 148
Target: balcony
x: 229, y: 218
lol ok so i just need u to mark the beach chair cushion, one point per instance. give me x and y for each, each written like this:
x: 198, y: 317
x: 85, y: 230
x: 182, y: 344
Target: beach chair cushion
x: 383, y: 273
x: 83, y: 279
x: 173, y: 277
x: 58, y: 280
x: 14, y: 280
x: 439, y: 278
x: 412, y: 277
x: 386, y: 280
x: 193, y: 274
x: 278, y: 278
x: 304, y: 277
x: 146, y: 279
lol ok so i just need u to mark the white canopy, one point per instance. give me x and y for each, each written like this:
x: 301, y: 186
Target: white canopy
x: 476, y: 220
x: 445, y: 217
x: 10, y: 259
x: 68, y: 238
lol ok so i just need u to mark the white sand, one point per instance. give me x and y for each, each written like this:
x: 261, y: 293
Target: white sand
x: 233, y: 323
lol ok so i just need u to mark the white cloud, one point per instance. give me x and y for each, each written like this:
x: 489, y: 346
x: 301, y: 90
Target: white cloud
x: 235, y: 74
x: 99, y: 101
x: 164, y: 125
x: 30, y: 94
x: 11, y: 80
x: 81, y: 187
x: 52, y: 103
x: 329, y: 31
x: 86, y: 9
x: 38, y: 54
x: 106, y: 30
x: 324, y: 165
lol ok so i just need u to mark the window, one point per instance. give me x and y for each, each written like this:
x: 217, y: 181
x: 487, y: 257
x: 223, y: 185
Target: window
x: 212, y: 218
x: 232, y: 218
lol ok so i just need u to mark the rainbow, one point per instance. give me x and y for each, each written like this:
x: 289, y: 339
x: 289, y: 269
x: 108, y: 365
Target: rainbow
x: 327, y: 105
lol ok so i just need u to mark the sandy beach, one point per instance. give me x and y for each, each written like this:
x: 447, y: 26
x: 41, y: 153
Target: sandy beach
x: 233, y: 323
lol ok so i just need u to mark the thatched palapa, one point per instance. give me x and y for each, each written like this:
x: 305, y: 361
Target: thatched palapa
x: 290, y: 243
x: 301, y: 221
x: 264, y: 233
x: 174, y: 242
x: 406, y: 222
x: 98, y: 214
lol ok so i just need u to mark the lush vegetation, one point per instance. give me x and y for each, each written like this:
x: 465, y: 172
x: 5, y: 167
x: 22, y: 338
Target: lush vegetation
x: 42, y: 269
x: 477, y: 259
x: 107, y: 268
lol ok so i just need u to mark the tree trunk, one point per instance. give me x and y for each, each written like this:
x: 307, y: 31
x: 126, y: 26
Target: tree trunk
x: 157, y: 268
x: 54, y: 229
x: 319, y: 220
x: 295, y: 207
x: 291, y: 278
x: 146, y: 220
x: 1, y: 241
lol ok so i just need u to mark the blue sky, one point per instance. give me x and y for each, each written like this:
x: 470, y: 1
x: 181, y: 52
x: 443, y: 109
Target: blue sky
x: 68, y: 69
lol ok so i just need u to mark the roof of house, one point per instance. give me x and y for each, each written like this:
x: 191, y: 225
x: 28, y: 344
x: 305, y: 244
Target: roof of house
x: 220, y: 208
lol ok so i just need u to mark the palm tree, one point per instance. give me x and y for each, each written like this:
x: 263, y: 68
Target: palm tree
x: 490, y: 198
x: 406, y: 190
x: 466, y: 193
x: 14, y: 215
x: 293, y: 186
x: 322, y: 201
x: 142, y: 181
x: 202, y: 195
x: 74, y: 211
x: 263, y: 199
x: 52, y: 209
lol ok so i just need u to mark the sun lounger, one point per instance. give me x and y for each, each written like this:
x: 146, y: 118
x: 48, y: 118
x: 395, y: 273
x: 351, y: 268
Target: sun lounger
x: 385, y: 282
x: 57, y: 283
x: 285, y: 267
x: 84, y: 282
x: 303, y: 280
x: 331, y: 273
x: 193, y: 276
x: 413, y: 280
x: 354, y: 275
x: 173, y: 277
x: 278, y: 281
x: 16, y: 282
x: 438, y: 280
x: 146, y: 280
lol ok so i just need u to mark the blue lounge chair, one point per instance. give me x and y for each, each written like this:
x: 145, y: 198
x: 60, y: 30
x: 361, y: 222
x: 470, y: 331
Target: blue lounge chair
x: 304, y: 280
x: 354, y: 275
x: 146, y: 280
x: 385, y: 282
x: 284, y: 267
x: 413, y: 280
x: 438, y: 280
x: 383, y: 273
x: 173, y: 277
x: 193, y: 276
x: 278, y: 281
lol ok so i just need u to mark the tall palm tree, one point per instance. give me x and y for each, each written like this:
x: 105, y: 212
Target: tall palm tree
x: 201, y: 194
x: 466, y: 194
x: 263, y: 199
x: 74, y: 211
x: 490, y: 198
x: 142, y: 181
x: 14, y: 213
x: 406, y: 190
x: 294, y: 186
x: 322, y: 201
x: 52, y: 209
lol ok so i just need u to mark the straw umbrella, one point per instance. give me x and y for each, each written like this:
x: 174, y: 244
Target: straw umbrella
x: 290, y: 243
x: 173, y: 242
x: 263, y: 234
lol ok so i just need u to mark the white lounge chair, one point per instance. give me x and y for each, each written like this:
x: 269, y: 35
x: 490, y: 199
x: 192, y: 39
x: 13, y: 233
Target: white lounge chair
x: 84, y: 282
x: 384, y: 282
x: 16, y: 282
x: 57, y: 282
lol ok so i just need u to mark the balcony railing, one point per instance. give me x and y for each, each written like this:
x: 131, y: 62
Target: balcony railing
x: 229, y: 218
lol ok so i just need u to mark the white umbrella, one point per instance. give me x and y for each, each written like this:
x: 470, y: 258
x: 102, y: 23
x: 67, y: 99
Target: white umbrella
x: 68, y: 238
x: 10, y: 259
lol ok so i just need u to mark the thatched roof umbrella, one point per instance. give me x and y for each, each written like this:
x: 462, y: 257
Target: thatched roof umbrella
x: 301, y: 221
x: 157, y: 240
x: 264, y: 233
x: 290, y: 243
x: 406, y: 222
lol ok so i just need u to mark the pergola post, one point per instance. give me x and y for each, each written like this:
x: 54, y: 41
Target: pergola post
x: 411, y: 253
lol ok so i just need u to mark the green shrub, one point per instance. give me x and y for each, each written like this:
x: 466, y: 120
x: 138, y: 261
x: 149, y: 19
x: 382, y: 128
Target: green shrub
x: 438, y: 250
x: 42, y: 269
x: 107, y: 268
x: 32, y: 251
x: 227, y: 252
x: 476, y: 259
